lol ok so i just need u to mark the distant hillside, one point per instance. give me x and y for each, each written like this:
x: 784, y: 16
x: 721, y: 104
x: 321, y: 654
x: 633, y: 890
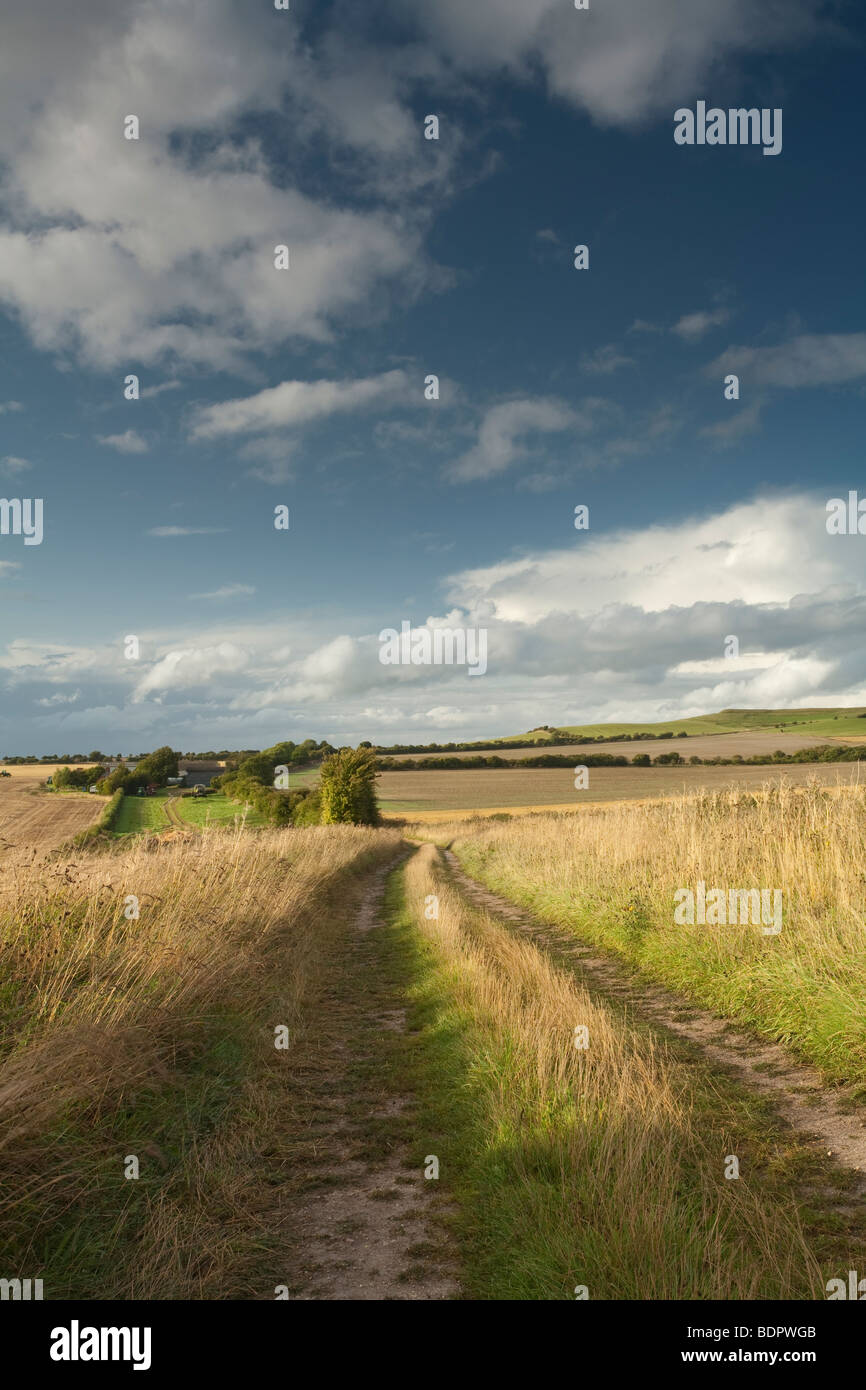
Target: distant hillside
x: 833, y: 723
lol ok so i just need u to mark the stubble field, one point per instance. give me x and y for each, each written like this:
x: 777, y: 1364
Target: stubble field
x: 434, y: 794
x: 33, y: 821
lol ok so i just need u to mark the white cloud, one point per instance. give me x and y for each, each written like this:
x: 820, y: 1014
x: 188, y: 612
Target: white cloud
x: 6, y: 407
x: 187, y: 530
x: 723, y: 665
x: 503, y: 428
x: 606, y: 360
x: 759, y: 552
x: 147, y: 392
x: 296, y: 403
x: 621, y: 60
x: 130, y: 442
x: 59, y: 699
x: 227, y: 591
x: 691, y: 327
x: 272, y: 456
x: 122, y: 249
x: 812, y: 359
x: 739, y: 421
x: 11, y: 465
x: 190, y: 667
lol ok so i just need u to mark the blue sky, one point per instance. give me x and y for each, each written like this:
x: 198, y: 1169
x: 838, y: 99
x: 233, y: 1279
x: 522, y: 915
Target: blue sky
x: 409, y: 257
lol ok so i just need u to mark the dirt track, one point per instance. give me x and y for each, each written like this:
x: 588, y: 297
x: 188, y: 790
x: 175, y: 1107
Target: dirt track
x: 832, y: 1118
x: 367, y: 1227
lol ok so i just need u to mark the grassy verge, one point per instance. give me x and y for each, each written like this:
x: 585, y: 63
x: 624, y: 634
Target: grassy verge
x: 111, y: 813
x: 611, y: 875
x: 139, y: 813
x: 216, y: 810
x: 153, y: 1038
x: 602, y: 1167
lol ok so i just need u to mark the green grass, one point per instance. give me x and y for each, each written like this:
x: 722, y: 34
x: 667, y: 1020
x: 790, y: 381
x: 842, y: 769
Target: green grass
x: 144, y: 813
x: 306, y: 777
x: 85, y: 1249
x: 526, y: 1229
x: 803, y: 988
x: 838, y: 721
x: 209, y: 1113
x: 215, y: 810
x: 138, y: 813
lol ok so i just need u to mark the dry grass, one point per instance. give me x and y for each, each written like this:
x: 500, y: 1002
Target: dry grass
x: 602, y: 1167
x: 611, y: 875
x: 139, y: 1036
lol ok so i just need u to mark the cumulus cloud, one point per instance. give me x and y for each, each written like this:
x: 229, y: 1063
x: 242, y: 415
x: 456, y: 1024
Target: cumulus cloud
x: 130, y: 442
x: 627, y: 625
x: 755, y: 552
x: 621, y: 60
x: 145, y: 248
x: 190, y: 667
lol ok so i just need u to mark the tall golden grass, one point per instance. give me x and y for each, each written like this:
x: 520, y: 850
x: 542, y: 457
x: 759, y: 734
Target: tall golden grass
x: 611, y: 874
x: 606, y: 1173
x: 101, y: 1013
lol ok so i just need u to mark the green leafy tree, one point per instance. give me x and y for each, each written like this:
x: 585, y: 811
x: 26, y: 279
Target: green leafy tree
x: 348, y: 788
x: 123, y: 778
x: 157, y: 767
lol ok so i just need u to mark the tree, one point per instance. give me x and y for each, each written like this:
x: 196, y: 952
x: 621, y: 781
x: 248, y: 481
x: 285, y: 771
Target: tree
x: 157, y: 766
x: 349, y: 788
x: 122, y: 777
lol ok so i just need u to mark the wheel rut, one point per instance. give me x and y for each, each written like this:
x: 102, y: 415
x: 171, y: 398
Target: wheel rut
x: 830, y: 1118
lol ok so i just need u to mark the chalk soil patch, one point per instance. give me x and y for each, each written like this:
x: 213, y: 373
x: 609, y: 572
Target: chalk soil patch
x: 366, y: 1226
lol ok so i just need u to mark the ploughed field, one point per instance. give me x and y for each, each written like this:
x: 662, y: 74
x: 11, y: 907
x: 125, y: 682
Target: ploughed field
x: 33, y: 819
x: 494, y: 789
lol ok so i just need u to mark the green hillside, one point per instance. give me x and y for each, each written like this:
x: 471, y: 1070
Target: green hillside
x: 836, y: 722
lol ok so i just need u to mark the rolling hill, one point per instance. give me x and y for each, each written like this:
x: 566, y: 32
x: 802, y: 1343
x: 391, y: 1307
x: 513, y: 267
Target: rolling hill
x: 836, y: 722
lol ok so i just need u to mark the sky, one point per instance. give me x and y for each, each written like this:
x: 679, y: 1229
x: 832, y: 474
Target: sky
x: 307, y: 388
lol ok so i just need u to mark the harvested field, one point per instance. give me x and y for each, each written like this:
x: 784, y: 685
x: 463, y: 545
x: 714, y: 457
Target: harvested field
x: 744, y: 743
x: 32, y: 821
x: 504, y: 789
